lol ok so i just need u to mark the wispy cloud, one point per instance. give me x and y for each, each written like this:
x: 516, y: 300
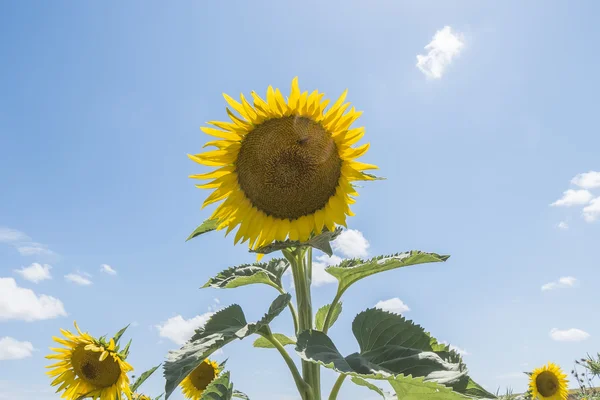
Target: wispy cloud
x: 78, y: 279
x: 351, y: 243
x: 23, y: 304
x: 320, y: 277
x: 442, y: 49
x: 12, y: 349
x: 563, y: 225
x: 568, y: 335
x: 180, y: 330
x: 393, y: 305
x: 107, y: 269
x: 587, y: 180
x: 35, y: 272
x: 8, y: 235
x: 591, y: 212
x: 562, y: 282
x: 572, y: 198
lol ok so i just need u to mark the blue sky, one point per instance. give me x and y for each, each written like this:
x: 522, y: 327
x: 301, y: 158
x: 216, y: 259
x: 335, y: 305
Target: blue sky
x: 100, y: 103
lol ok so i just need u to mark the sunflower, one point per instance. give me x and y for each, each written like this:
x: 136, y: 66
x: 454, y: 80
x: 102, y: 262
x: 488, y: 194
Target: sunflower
x: 90, y: 367
x: 283, y: 169
x: 194, y: 384
x: 548, y: 383
x: 138, y: 396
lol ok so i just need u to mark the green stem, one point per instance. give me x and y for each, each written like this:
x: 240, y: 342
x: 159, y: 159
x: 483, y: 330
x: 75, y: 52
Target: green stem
x: 336, y: 299
x: 303, y: 387
x: 315, y: 369
x: 292, y: 309
x: 336, y: 387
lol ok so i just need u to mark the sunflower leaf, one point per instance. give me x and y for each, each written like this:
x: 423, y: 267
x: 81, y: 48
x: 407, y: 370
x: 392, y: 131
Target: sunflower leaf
x: 269, y: 273
x: 321, y: 242
x: 263, y: 343
x: 391, y: 347
x: 138, y: 382
x: 118, y: 335
x: 240, y: 395
x: 126, y: 349
x: 207, y: 226
x: 374, y: 177
x: 322, y: 314
x: 362, y: 382
x: 222, y: 328
x: 219, y: 389
x: 352, y: 270
x: 159, y: 396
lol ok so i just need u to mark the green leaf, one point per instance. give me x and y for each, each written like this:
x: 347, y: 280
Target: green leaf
x: 350, y: 271
x: 138, y: 382
x: 374, y: 177
x: 222, y: 328
x: 219, y: 389
x: 126, y: 349
x: 207, y: 226
x: 118, y: 335
x: 320, y: 242
x: 322, y: 314
x: 240, y: 395
x: 269, y: 273
x: 263, y: 343
x: 159, y: 396
x: 418, y: 389
x: 362, y: 382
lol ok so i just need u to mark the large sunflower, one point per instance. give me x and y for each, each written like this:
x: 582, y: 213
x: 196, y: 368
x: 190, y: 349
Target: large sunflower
x: 194, y: 384
x: 88, y: 366
x: 285, y: 169
x: 549, y: 383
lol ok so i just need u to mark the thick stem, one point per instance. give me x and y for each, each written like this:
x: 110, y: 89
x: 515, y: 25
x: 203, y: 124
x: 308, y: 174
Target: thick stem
x: 303, y: 387
x: 336, y: 387
x: 314, y: 368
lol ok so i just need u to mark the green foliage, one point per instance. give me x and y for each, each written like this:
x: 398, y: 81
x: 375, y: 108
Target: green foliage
x: 219, y: 389
x: 222, y: 328
x: 119, y: 334
x: 391, y: 346
x: 240, y: 395
x: 264, y: 343
x: 322, y: 314
x: 320, y: 242
x: 207, y: 226
x: 353, y: 270
x: 138, y: 382
x: 367, y: 384
x: 268, y: 273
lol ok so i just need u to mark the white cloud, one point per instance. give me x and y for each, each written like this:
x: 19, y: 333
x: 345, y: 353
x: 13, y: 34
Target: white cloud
x: 23, y: 304
x: 393, y: 305
x: 444, y: 46
x: 12, y: 349
x: 562, y: 282
x: 563, y: 225
x: 573, y: 198
x: 568, y: 335
x: 320, y: 277
x: 351, y: 243
x: 592, y: 212
x: 8, y: 235
x: 33, y: 249
x: 587, y: 180
x: 107, y: 269
x: 457, y: 349
x: 35, y: 272
x: 78, y: 279
x: 180, y: 330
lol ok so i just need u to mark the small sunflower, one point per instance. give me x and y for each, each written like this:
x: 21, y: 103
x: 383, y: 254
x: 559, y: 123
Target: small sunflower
x: 549, y: 383
x: 194, y: 384
x: 138, y: 396
x: 283, y: 168
x: 88, y: 366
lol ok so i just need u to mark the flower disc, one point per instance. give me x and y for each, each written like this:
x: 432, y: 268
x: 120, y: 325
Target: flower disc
x: 284, y: 169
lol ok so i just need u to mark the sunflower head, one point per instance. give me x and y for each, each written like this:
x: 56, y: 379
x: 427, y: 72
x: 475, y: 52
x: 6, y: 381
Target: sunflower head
x: 88, y: 366
x: 283, y: 168
x: 549, y: 383
x: 196, y: 382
